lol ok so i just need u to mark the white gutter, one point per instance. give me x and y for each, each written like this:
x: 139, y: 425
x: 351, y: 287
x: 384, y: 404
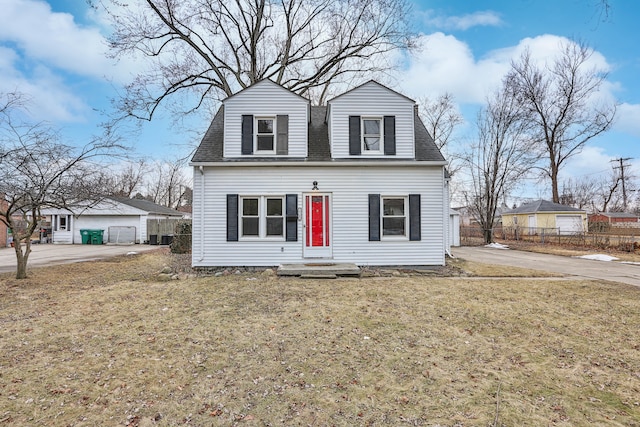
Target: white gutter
x: 294, y: 163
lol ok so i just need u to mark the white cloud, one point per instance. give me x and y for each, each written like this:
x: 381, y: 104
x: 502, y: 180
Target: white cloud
x: 628, y: 119
x: 54, y: 38
x: 464, y: 22
x: 446, y: 64
x: 592, y: 161
x: 51, y: 100
x: 47, y: 55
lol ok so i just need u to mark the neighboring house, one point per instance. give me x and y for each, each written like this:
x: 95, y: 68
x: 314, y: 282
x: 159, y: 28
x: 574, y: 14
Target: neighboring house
x: 122, y: 220
x: 545, y: 216
x: 616, y: 219
x: 360, y: 180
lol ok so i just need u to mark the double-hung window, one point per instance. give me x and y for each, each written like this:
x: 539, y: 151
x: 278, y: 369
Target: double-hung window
x: 262, y: 217
x: 394, y: 216
x: 61, y: 222
x: 265, y: 135
x: 372, y: 141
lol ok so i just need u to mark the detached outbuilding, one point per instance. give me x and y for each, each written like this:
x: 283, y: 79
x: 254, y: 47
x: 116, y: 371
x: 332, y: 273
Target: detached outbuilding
x: 121, y: 220
x: 543, y: 216
x: 616, y: 219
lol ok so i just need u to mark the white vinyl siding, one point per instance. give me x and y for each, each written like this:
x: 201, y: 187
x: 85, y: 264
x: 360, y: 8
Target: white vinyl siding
x: 266, y: 99
x: 348, y: 186
x: 371, y: 100
x: 104, y: 222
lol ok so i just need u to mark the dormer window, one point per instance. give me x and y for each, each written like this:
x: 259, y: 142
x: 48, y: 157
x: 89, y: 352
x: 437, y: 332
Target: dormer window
x: 265, y: 135
x: 372, y: 135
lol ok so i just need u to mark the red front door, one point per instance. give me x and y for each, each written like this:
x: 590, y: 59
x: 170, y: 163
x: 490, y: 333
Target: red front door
x: 317, y: 225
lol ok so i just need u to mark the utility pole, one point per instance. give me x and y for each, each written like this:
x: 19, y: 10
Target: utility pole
x: 624, y: 190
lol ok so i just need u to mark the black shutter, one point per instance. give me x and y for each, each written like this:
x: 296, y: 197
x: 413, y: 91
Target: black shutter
x: 355, y: 144
x: 232, y: 217
x: 374, y: 217
x: 292, y: 217
x: 282, y: 141
x: 389, y: 135
x: 414, y: 217
x: 247, y: 135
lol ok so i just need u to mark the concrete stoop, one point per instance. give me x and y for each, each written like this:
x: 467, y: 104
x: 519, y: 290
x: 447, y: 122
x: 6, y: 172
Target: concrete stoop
x: 319, y: 270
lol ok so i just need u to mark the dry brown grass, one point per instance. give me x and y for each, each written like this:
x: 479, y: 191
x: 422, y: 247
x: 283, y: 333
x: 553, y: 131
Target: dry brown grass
x: 491, y: 270
x: 105, y: 343
x: 552, y: 249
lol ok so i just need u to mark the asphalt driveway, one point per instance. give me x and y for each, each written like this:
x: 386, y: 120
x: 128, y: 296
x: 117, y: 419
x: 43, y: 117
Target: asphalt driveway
x: 591, y: 269
x: 42, y: 255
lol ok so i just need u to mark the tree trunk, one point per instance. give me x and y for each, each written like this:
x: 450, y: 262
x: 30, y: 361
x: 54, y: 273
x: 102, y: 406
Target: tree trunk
x: 488, y: 235
x: 554, y: 183
x: 22, y: 258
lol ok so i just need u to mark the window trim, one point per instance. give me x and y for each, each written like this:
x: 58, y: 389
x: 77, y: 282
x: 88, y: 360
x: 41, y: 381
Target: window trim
x: 273, y: 134
x: 406, y: 215
x: 262, y: 217
x: 57, y: 226
x: 363, y: 135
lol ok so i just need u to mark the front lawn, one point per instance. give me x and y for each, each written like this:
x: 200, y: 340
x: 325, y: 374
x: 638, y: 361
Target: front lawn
x: 107, y: 343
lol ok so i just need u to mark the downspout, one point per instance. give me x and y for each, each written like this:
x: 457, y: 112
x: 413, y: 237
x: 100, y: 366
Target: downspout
x: 447, y: 216
x: 201, y: 169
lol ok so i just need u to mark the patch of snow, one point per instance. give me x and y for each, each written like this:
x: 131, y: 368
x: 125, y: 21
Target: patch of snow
x: 496, y: 246
x: 598, y: 257
x: 132, y: 253
x: 630, y: 262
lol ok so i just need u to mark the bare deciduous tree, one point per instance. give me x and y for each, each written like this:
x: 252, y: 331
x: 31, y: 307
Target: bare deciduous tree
x: 210, y: 49
x: 579, y: 193
x: 561, y: 105
x: 499, y: 159
x: 440, y: 117
x: 38, y: 171
x: 166, y: 183
x: 127, y: 180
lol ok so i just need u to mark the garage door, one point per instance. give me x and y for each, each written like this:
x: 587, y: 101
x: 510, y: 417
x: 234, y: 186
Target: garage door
x: 122, y: 235
x: 569, y: 224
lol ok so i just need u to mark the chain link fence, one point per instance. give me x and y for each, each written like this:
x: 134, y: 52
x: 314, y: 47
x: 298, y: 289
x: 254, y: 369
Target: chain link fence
x: 622, y: 239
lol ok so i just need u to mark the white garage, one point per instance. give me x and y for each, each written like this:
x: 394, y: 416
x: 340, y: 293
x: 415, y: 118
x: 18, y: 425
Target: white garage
x: 122, y: 220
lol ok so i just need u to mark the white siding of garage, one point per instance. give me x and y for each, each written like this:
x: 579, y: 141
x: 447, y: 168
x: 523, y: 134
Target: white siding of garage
x: 104, y: 222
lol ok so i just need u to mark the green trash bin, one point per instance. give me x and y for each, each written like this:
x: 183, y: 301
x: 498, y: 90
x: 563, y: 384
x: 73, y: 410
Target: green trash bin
x: 84, y: 234
x: 96, y: 236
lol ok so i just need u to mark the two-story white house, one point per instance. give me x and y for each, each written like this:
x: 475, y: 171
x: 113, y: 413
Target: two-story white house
x: 359, y: 180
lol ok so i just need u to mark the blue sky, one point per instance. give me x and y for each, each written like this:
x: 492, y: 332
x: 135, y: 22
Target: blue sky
x: 55, y: 51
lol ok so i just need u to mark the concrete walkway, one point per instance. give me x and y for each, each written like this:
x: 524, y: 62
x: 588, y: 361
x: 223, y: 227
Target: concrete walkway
x: 49, y: 254
x: 602, y: 270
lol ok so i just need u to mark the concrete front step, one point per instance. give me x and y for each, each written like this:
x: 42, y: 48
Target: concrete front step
x: 319, y: 269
